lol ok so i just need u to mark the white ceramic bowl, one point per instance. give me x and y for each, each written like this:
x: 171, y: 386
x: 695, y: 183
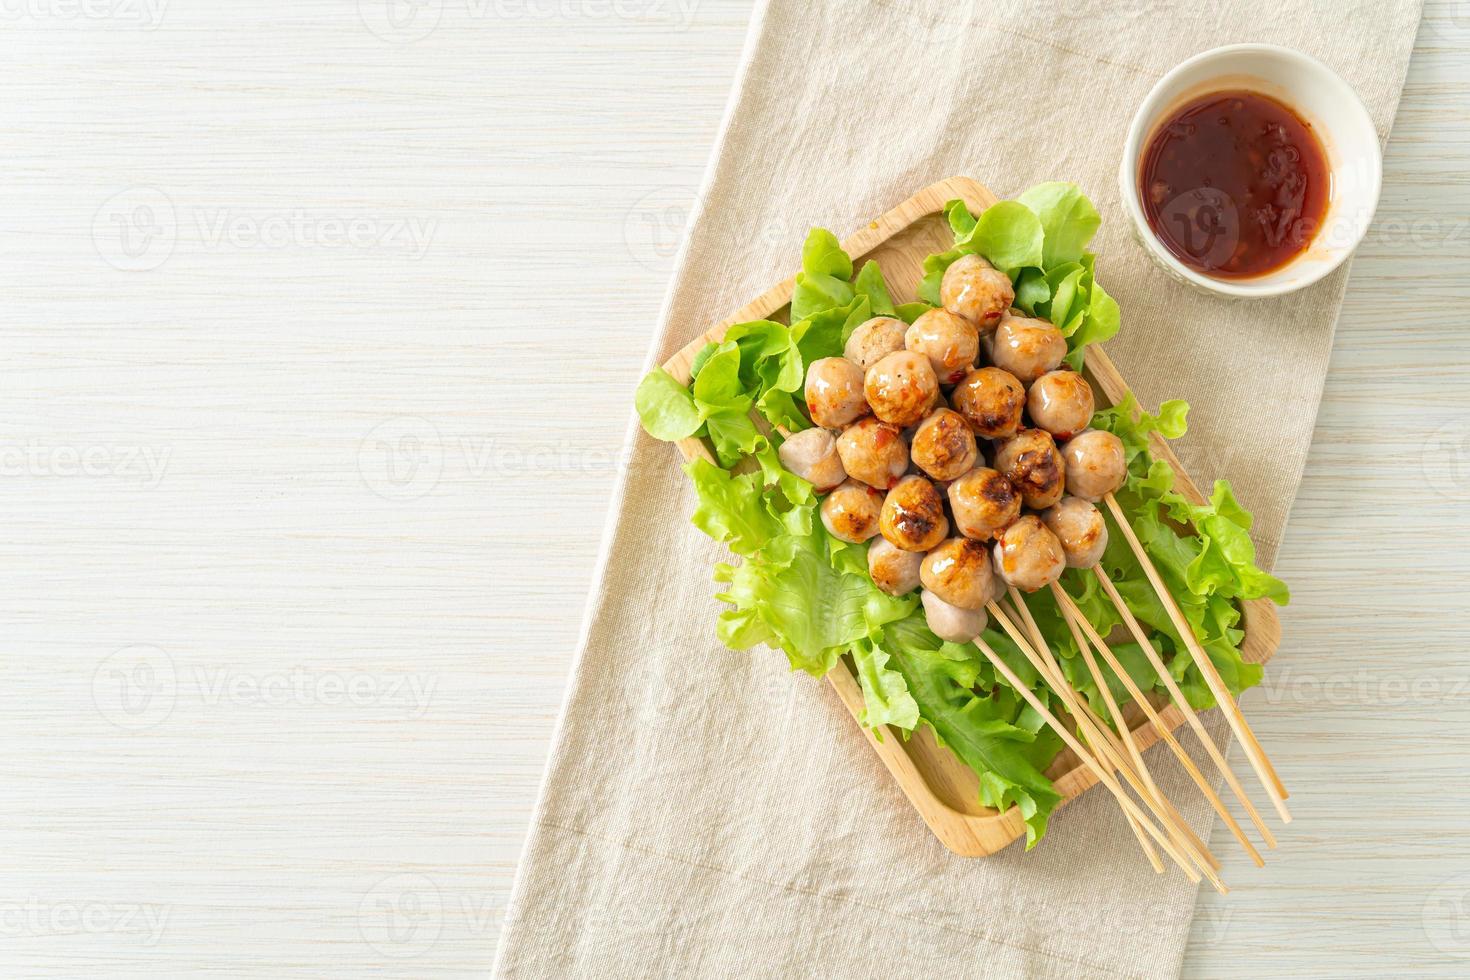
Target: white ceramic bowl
x: 1320, y: 97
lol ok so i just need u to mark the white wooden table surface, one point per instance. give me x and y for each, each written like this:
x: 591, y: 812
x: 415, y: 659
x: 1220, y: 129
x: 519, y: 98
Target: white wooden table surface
x: 320, y: 328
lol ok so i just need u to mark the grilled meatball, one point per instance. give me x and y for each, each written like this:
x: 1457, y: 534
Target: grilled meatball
x: 949, y: 341
x: 1096, y: 464
x: 1026, y: 347
x: 913, y: 515
x: 977, y: 291
x: 983, y: 502
x: 874, y: 339
x: 959, y: 572
x: 1029, y: 459
x: 852, y: 512
x: 1080, y: 528
x: 812, y: 455
x: 834, y: 392
x: 1060, y: 402
x: 943, y: 446
x: 894, y: 570
x: 991, y: 400
x: 873, y: 452
x: 951, y: 622
x: 901, y: 387
x: 1029, y: 556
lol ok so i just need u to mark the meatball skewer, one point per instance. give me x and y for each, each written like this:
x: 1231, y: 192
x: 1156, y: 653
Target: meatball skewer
x: 1101, y: 770
x: 1265, y: 772
x: 1077, y: 624
x: 1101, y: 736
x: 1096, y: 467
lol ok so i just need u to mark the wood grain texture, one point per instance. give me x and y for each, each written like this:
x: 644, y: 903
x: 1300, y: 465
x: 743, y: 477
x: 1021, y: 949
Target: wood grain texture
x: 941, y: 788
x: 275, y: 825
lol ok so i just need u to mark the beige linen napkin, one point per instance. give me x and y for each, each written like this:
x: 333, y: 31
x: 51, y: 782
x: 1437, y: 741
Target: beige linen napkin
x: 705, y: 813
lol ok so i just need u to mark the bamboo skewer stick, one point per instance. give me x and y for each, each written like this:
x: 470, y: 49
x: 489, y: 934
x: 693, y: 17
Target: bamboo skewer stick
x: 1196, y: 855
x: 1143, y: 841
x: 1197, y: 726
x: 1097, y: 769
x: 1074, y: 618
x: 1248, y: 742
x: 1175, y: 823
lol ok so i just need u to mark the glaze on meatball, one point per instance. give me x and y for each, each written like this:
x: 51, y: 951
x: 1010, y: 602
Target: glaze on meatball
x: 852, y: 512
x: 834, y: 392
x: 1096, y: 464
x: 894, y: 570
x: 983, y: 502
x: 976, y: 290
x: 949, y: 341
x: 812, y: 455
x: 901, y: 387
x: 950, y: 622
x: 1029, y: 556
x: 913, y: 515
x: 1060, y: 402
x: 873, y: 452
x: 1080, y: 528
x: 943, y: 446
x: 1026, y: 347
x: 874, y: 339
x: 959, y: 572
x: 991, y: 400
x: 1029, y: 459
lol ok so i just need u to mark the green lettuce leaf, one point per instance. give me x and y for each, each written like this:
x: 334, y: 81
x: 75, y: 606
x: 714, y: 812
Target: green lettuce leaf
x: 886, y: 697
x: 666, y: 408
x: 1068, y: 221
x: 822, y: 255
x: 869, y: 283
x: 978, y: 729
x: 732, y: 509
x: 814, y: 612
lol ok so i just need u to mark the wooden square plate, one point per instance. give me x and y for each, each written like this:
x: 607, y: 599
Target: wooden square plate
x: 941, y: 787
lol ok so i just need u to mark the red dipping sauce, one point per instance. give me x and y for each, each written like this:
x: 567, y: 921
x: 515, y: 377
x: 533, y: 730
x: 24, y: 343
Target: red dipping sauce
x: 1235, y: 184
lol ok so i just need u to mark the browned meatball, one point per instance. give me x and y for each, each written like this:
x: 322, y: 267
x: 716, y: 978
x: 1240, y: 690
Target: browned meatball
x: 875, y: 339
x: 812, y: 455
x: 1096, y: 464
x: 944, y: 446
x: 949, y: 341
x: 873, y: 452
x: 894, y: 570
x: 1026, y: 347
x: 983, y: 502
x: 991, y: 400
x: 1060, y: 402
x: 977, y: 291
x: 913, y: 515
x: 852, y: 512
x: 901, y: 388
x: 1029, y: 556
x: 1080, y: 528
x: 1029, y: 459
x: 834, y: 392
x: 959, y: 572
